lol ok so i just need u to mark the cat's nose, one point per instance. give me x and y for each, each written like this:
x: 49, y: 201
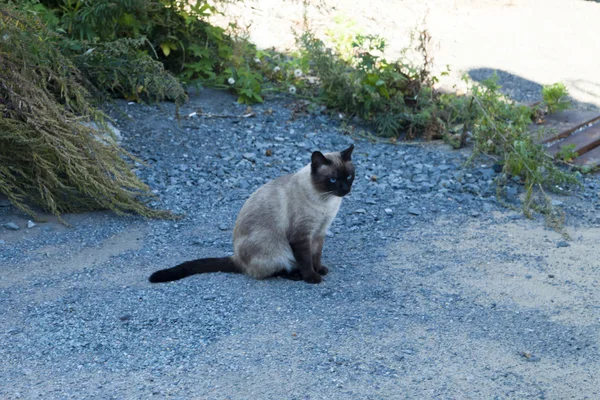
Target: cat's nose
x: 345, y: 188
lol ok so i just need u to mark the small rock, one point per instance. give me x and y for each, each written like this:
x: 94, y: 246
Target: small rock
x: 11, y: 226
x: 244, y: 184
x: 529, y: 357
x: 30, y: 224
x: 249, y: 156
x: 511, y: 194
x: 528, y: 276
x: 329, y: 233
x: 268, y: 152
x: 562, y: 243
x: 420, y: 178
x: 223, y: 227
x: 557, y: 203
x: 414, y: 211
x: 475, y: 214
x: 550, y: 275
x: 488, y: 173
x: 471, y: 188
x: 360, y: 211
x: 388, y: 211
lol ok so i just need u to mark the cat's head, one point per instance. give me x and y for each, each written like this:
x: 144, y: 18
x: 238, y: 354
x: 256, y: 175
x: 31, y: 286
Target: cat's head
x: 333, y: 172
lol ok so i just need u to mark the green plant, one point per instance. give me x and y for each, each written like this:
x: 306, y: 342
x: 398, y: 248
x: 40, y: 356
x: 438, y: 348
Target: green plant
x: 395, y: 96
x: 567, y: 153
x: 341, y: 35
x: 131, y: 47
x: 50, y: 156
x: 247, y: 84
x: 500, y: 128
x: 120, y: 68
x: 555, y: 97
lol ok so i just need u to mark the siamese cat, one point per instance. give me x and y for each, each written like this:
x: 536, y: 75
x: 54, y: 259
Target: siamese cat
x: 281, y: 228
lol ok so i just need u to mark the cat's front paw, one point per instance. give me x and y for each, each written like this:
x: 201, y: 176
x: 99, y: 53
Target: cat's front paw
x: 323, y: 270
x: 313, y: 278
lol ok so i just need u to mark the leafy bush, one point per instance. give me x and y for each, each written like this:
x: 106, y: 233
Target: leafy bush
x: 555, y: 97
x: 399, y: 98
x: 48, y: 155
x: 119, y: 68
x: 500, y: 128
x: 395, y: 96
x: 113, y: 36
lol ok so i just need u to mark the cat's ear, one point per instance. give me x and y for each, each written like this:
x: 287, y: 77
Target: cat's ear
x: 318, y: 159
x: 347, y: 154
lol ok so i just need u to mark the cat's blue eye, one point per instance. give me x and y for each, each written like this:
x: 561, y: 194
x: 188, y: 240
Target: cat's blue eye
x: 349, y: 177
x: 332, y: 180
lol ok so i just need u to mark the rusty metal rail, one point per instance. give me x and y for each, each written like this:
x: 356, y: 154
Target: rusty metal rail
x: 571, y: 127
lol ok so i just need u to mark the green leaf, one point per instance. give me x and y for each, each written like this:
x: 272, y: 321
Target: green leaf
x: 166, y: 49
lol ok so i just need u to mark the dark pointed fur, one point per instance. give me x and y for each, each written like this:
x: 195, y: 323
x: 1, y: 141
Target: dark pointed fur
x: 201, y: 266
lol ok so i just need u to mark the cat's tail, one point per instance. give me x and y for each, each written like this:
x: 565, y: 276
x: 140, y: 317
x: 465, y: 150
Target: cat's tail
x: 201, y: 266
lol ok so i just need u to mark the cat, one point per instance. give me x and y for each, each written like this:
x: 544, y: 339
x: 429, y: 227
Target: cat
x: 281, y: 228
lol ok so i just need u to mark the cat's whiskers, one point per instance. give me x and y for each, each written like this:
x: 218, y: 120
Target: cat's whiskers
x: 326, y: 195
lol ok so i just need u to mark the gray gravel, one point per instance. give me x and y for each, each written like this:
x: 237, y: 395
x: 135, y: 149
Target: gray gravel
x: 434, y: 291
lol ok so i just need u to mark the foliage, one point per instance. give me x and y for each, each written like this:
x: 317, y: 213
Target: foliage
x: 48, y: 156
x: 567, y: 153
x: 500, y: 128
x: 555, y: 97
x: 399, y: 97
x: 395, y: 96
x: 341, y: 36
x: 148, y: 33
x: 103, y: 39
x: 119, y: 68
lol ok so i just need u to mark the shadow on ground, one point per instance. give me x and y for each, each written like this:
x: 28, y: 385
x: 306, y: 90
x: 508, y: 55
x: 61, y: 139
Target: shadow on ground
x: 527, y: 91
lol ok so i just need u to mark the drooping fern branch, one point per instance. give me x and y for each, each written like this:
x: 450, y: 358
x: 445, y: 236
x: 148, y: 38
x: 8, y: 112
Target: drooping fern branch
x: 48, y: 157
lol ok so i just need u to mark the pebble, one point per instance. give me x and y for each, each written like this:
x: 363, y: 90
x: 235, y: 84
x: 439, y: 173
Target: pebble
x: 250, y: 156
x: 388, y: 211
x: 30, y: 224
x: 360, y: 211
x: 11, y: 226
x: 562, y: 243
x: 414, y: 211
x: 511, y: 194
x: 475, y: 214
x: 224, y: 227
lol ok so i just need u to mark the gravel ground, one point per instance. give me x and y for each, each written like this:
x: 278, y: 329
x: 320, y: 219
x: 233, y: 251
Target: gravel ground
x: 434, y: 291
